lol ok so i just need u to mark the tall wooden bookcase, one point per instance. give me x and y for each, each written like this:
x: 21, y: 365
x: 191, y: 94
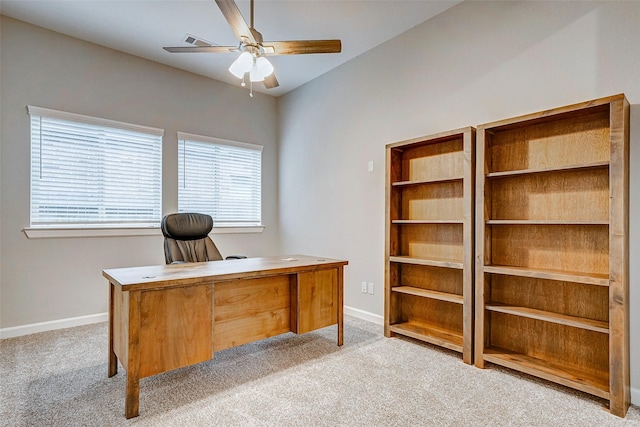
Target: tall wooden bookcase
x: 552, y: 247
x: 429, y: 240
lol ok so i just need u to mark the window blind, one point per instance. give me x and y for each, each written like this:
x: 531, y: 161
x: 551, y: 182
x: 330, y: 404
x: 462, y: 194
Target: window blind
x: 86, y: 170
x: 220, y: 178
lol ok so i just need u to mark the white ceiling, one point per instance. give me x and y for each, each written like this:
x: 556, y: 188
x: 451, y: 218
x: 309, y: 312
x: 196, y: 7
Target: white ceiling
x: 143, y: 27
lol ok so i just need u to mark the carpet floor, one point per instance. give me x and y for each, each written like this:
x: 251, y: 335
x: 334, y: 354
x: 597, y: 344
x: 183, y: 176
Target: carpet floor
x: 59, y: 378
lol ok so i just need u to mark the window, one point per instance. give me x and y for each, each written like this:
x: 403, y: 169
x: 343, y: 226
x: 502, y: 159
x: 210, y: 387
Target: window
x: 220, y: 178
x: 88, y: 171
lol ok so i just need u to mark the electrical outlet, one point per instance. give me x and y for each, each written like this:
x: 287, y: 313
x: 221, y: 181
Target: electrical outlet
x: 370, y: 288
x: 363, y: 288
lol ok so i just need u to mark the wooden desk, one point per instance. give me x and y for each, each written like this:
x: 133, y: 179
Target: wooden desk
x: 165, y: 317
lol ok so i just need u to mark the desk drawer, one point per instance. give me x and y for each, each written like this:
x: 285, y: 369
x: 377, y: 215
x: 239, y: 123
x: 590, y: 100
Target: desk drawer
x: 250, y: 310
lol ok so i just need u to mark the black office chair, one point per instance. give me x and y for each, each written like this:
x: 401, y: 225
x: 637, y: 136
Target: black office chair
x: 186, y: 239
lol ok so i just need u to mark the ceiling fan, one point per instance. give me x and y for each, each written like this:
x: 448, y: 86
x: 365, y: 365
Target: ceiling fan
x: 254, y: 49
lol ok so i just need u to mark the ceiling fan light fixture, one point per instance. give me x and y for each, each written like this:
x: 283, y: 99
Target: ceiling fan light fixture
x: 243, y: 64
x: 255, y: 75
x: 264, y: 67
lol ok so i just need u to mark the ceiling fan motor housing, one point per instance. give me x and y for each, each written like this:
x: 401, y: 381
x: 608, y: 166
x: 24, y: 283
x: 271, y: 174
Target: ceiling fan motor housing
x: 256, y: 35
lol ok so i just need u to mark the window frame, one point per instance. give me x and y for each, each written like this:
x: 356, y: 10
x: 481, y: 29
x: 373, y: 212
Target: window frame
x: 91, y: 229
x: 225, y: 227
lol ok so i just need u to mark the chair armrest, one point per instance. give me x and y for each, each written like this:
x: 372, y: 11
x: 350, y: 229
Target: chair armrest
x: 235, y: 257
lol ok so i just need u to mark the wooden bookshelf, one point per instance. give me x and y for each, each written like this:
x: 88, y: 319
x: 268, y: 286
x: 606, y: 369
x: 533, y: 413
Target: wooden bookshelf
x: 552, y: 247
x: 429, y: 240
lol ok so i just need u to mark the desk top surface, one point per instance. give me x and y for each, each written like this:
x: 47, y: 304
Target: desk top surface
x: 159, y: 276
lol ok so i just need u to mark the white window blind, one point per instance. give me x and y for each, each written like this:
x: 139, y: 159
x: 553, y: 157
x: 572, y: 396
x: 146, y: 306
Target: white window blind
x: 220, y: 178
x: 91, y: 171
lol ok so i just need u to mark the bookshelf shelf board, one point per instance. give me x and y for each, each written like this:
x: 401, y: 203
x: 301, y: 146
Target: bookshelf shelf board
x: 427, y: 293
x: 431, y: 334
x: 446, y: 263
x: 565, y: 375
x: 544, y: 222
x: 565, y: 276
x: 426, y: 221
x: 593, y: 165
x: 548, y: 316
x: 426, y: 181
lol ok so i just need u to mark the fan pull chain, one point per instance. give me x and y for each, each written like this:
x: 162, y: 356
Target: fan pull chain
x: 243, y: 84
x: 251, y: 88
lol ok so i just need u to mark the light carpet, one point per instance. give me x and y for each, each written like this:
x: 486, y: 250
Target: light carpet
x: 59, y: 378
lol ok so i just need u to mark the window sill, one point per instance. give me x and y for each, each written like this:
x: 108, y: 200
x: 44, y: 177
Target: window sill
x: 90, y: 231
x: 121, y: 231
x: 231, y: 229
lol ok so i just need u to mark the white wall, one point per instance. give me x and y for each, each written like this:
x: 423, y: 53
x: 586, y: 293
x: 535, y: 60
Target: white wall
x: 475, y: 63
x: 49, y: 279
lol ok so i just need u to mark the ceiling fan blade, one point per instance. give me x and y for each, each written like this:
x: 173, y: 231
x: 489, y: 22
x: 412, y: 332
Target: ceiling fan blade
x: 298, y: 47
x: 270, y: 81
x: 201, y: 49
x: 237, y: 23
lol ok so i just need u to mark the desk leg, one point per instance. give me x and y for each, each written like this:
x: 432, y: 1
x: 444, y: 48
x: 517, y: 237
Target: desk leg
x: 113, y: 360
x: 340, y: 307
x: 132, y: 399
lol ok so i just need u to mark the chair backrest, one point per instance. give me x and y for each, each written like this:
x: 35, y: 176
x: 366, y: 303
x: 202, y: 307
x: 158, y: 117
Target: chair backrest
x: 186, y: 238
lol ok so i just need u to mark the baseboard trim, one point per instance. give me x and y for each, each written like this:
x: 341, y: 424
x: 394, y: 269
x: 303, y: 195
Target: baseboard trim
x: 364, y: 315
x: 18, y: 331
x: 635, y: 396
